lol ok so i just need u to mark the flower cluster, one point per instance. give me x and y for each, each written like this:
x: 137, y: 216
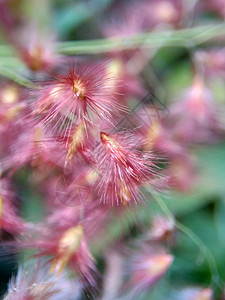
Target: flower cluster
x: 87, y: 147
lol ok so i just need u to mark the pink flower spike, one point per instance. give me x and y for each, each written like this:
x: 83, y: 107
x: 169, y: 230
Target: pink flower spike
x: 76, y: 96
x: 65, y: 245
x: 147, y: 268
x: 33, y: 282
x: 123, y: 168
x: 162, y: 228
x: 9, y: 220
x: 196, y: 114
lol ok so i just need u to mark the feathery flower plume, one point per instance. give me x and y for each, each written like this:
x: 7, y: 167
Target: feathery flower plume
x: 196, y: 115
x: 64, y: 244
x: 33, y: 282
x: 123, y: 168
x: 26, y: 142
x: 9, y: 220
x: 162, y: 228
x: 181, y: 173
x: 146, y: 268
x: 159, y: 138
x: 76, y: 142
x: 212, y: 62
x: 76, y: 97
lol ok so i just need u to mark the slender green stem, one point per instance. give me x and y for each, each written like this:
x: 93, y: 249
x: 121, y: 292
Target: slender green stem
x: 11, y: 74
x: 202, y: 247
x: 184, y: 37
x: 12, y: 62
x: 204, y: 250
x: 187, y: 37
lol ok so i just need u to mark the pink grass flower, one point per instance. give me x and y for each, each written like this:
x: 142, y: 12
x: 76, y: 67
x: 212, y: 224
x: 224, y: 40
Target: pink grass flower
x: 212, y: 62
x: 78, y: 96
x: 162, y: 228
x: 39, y: 54
x: 196, y: 116
x: 9, y: 219
x: 129, y: 83
x: 164, y: 12
x: 127, y: 19
x: 65, y: 245
x: 34, y: 282
x: 27, y: 143
x: 147, y: 268
x: 181, y: 173
x: 12, y: 105
x: 160, y: 139
x: 123, y: 168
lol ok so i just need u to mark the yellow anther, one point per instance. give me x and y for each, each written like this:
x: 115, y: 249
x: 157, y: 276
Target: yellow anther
x: 79, y: 89
x: 92, y: 176
x: 76, y: 142
x: 38, y: 134
x: 68, y: 245
x: 154, y: 131
x: 113, y: 147
x: 124, y: 193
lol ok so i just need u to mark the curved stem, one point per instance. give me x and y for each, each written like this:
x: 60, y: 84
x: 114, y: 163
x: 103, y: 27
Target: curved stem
x: 11, y: 74
x: 204, y: 250
x: 188, y: 37
x: 202, y: 247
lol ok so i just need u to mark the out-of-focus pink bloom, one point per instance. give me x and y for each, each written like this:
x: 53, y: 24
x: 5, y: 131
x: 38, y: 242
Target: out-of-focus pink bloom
x: 112, y: 275
x: 9, y: 220
x: 123, y: 168
x: 164, y: 12
x: 217, y: 6
x: 128, y: 83
x: 125, y: 22
x: 9, y: 114
x: 10, y: 14
x: 34, y: 282
x: 195, y: 116
x: 160, y: 139
x: 11, y: 105
x: 24, y: 142
x: 64, y: 243
x: 76, y: 201
x: 194, y: 294
x: 181, y: 173
x: 36, y: 49
x: 9, y: 94
x: 212, y: 62
x: 147, y: 268
x: 39, y: 51
x: 153, y: 13
x: 162, y: 228
x: 76, y: 97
